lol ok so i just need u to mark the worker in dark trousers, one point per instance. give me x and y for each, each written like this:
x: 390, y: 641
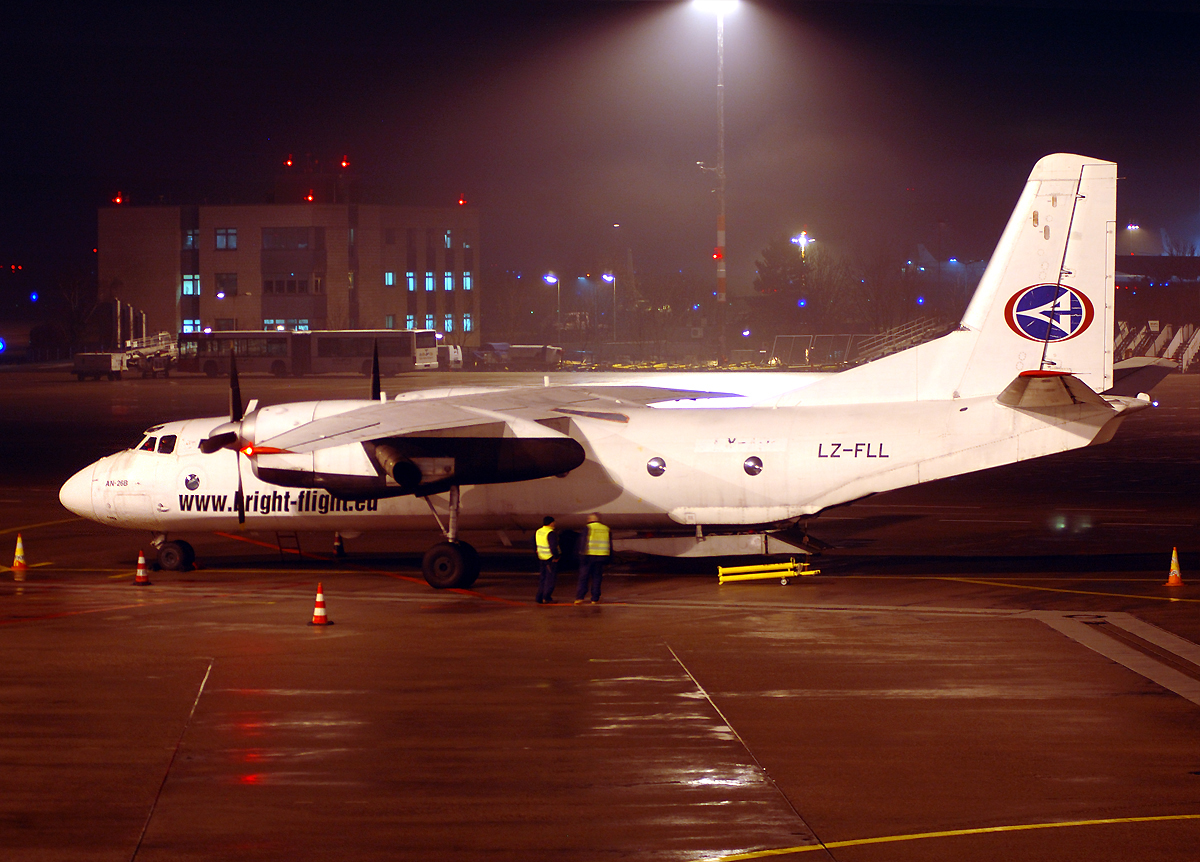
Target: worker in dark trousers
x: 546, y: 542
x: 595, y: 547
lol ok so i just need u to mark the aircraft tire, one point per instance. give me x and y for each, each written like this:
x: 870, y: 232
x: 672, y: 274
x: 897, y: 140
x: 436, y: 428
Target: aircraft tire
x: 172, y: 557
x: 189, y: 553
x: 450, y: 565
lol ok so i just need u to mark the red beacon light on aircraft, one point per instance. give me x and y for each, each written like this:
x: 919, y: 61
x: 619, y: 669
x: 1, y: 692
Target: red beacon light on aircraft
x: 462, y: 202
x: 118, y: 199
x: 287, y: 163
x: 345, y: 161
x: 308, y: 197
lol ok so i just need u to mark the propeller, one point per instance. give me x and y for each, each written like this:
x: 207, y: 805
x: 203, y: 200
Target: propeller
x: 229, y: 435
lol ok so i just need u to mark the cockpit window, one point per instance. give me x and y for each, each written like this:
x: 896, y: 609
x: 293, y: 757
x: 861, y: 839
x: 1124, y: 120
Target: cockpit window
x: 148, y: 444
x: 166, y: 445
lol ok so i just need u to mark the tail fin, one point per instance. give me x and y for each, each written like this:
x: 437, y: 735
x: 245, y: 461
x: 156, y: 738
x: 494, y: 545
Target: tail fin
x: 1045, y: 302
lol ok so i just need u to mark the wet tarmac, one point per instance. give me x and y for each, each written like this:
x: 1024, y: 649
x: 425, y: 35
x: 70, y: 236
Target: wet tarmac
x: 987, y: 668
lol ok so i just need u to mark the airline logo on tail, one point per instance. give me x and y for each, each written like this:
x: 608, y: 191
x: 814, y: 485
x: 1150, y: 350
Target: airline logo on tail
x: 1049, y: 312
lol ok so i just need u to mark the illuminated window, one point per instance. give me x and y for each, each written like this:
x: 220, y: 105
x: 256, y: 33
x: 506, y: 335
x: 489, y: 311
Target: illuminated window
x: 447, y: 239
x: 429, y: 321
x: 429, y: 281
x: 449, y: 281
x: 466, y: 281
x: 389, y: 321
x: 191, y: 324
x: 410, y: 320
x: 411, y: 280
x: 467, y: 324
x: 449, y: 327
x: 226, y: 239
x: 191, y: 239
x: 191, y: 285
x: 389, y: 279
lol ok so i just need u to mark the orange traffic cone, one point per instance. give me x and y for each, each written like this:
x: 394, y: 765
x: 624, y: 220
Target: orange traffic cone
x: 19, y: 558
x: 1174, y: 579
x: 141, y: 579
x: 319, y: 618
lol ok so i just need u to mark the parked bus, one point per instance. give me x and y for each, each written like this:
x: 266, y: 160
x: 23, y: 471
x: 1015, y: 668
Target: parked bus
x: 300, y: 353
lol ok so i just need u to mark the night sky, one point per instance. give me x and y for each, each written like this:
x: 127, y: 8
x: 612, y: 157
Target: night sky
x: 866, y: 123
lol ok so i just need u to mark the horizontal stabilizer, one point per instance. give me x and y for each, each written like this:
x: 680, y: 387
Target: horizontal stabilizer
x: 1040, y: 390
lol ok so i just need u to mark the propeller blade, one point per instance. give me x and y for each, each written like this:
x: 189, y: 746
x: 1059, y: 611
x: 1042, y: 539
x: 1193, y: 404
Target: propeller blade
x: 375, y: 385
x: 235, y: 391
x: 226, y: 439
x: 240, y: 498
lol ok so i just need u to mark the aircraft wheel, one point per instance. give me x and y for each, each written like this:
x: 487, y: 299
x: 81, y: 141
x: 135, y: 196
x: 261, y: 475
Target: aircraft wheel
x: 189, y: 553
x: 172, y: 557
x: 449, y: 565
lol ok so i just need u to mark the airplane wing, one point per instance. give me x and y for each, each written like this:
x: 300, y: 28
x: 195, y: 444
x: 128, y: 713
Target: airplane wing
x: 522, y: 412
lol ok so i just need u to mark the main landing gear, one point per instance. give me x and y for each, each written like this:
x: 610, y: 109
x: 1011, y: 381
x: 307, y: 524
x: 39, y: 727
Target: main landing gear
x: 450, y: 564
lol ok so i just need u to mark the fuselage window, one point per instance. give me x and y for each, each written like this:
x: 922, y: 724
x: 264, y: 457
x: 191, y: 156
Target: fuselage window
x: 148, y: 444
x: 167, y: 444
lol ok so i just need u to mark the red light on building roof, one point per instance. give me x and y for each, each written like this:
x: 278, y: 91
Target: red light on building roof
x: 345, y: 161
x: 462, y: 202
x: 308, y: 197
x: 118, y: 199
x: 287, y: 163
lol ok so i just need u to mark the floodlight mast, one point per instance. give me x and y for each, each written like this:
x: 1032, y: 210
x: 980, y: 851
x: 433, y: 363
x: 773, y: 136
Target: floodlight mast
x: 720, y: 8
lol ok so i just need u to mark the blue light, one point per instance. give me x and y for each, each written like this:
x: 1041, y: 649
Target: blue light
x: 920, y: 300
x: 2, y: 345
x: 954, y: 260
x: 696, y: 307
x: 745, y: 333
x: 33, y: 297
x: 800, y: 303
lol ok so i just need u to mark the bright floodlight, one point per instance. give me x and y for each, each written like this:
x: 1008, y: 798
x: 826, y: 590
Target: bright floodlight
x: 716, y: 7
x: 550, y: 278
x: 609, y: 277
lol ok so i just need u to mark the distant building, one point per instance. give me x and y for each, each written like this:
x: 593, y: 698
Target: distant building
x: 313, y: 264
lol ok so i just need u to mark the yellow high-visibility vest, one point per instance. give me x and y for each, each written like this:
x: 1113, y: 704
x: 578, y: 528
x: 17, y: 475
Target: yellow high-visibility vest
x: 542, y: 539
x: 598, y: 542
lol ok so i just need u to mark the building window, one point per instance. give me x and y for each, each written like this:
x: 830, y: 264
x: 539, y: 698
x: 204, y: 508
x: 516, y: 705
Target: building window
x: 389, y: 279
x: 410, y: 321
x: 411, y: 279
x: 226, y: 284
x: 467, y: 326
x: 466, y: 281
x: 226, y: 239
x: 449, y: 281
x: 191, y: 324
x: 447, y: 240
x: 318, y: 285
x: 429, y: 321
x: 280, y: 324
x: 429, y: 281
x: 191, y: 239
x: 191, y: 285
x: 225, y: 324
x: 389, y: 321
x: 449, y: 323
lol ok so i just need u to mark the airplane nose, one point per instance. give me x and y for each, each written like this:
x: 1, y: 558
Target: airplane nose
x: 76, y: 493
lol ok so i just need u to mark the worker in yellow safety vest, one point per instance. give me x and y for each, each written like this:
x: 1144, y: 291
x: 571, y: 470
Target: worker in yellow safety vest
x: 595, y: 547
x: 546, y: 542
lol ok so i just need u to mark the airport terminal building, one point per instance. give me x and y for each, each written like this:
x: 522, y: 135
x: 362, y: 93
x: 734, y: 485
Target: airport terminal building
x: 313, y: 262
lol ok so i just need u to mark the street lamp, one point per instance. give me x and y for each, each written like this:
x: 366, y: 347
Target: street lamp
x: 552, y: 279
x: 612, y: 279
x: 720, y: 8
x: 803, y: 240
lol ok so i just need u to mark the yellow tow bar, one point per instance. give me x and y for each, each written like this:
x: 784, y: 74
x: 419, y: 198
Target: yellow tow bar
x: 765, y: 571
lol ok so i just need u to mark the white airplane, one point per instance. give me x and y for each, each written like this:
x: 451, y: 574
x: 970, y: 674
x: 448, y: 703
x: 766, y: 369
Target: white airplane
x: 1018, y: 379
